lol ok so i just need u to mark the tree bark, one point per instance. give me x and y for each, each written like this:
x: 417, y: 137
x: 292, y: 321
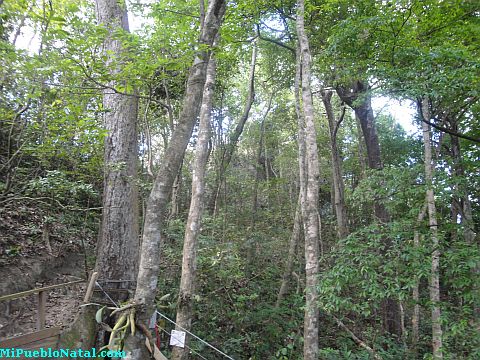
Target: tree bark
x: 361, y: 149
x: 437, y: 333
x: 416, y: 292
x: 294, y: 240
x: 310, y: 201
x: 118, y: 246
x: 337, y: 172
x: 357, y: 97
x: 158, y: 200
x: 117, y: 251
x: 192, y: 231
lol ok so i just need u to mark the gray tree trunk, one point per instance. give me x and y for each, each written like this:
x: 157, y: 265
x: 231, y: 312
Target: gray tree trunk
x: 294, y: 240
x: 437, y: 333
x: 337, y: 172
x: 117, y: 251
x: 158, y: 200
x: 192, y: 231
x: 416, y: 288
x: 310, y: 201
x: 357, y: 97
x: 361, y: 149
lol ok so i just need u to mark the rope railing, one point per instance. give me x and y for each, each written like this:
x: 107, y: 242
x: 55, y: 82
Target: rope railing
x: 177, y: 326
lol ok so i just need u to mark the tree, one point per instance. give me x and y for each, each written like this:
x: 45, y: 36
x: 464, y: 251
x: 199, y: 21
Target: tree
x: 339, y: 187
x: 437, y: 333
x: 157, y: 203
x: 117, y: 250
x: 309, y: 188
x: 357, y: 96
x: 118, y: 241
x: 192, y: 230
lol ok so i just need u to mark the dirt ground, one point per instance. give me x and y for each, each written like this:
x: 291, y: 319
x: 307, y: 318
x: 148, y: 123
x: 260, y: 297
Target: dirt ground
x: 32, y: 257
x: 20, y: 316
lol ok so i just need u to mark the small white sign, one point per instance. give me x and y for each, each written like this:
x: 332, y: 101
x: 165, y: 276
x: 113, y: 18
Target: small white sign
x: 177, y: 338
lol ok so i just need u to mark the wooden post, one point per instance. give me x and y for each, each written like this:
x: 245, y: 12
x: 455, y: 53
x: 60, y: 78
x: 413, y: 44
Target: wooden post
x: 91, y: 286
x: 42, y: 301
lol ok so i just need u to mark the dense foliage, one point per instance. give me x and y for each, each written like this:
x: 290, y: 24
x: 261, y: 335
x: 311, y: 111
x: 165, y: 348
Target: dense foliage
x: 53, y: 72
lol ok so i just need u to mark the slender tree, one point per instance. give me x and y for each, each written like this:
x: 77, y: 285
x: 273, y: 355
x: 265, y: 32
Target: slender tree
x: 339, y: 187
x: 437, y: 333
x: 192, y: 231
x: 311, y: 195
x: 158, y: 200
x: 357, y: 96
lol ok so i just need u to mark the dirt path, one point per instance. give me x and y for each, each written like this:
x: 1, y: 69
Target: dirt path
x: 19, y: 316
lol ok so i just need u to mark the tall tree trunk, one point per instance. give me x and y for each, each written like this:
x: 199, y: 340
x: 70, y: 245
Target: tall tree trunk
x: 294, y: 240
x: 357, y: 97
x: 338, y: 185
x: 416, y: 288
x: 118, y: 246
x: 158, y: 200
x: 437, y: 333
x: 117, y: 251
x: 192, y: 231
x: 361, y: 149
x: 310, y: 201
x: 229, y: 148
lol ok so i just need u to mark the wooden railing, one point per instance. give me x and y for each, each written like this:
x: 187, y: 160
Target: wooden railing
x: 41, y: 299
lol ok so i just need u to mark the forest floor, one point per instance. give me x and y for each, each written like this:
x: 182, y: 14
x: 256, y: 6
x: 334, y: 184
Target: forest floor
x: 28, y: 261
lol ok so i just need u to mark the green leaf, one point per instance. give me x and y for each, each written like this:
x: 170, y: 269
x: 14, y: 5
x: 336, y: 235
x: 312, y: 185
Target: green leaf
x: 99, y: 315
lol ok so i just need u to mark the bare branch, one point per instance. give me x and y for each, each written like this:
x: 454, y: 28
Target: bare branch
x: 355, y: 338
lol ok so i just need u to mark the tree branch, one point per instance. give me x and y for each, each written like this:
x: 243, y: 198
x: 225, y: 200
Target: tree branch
x: 116, y: 91
x: 448, y: 131
x: 337, y: 124
x: 274, y: 41
x: 355, y: 338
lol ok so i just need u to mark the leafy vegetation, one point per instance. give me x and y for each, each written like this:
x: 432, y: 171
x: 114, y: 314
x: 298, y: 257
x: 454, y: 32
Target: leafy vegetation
x: 54, y: 74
